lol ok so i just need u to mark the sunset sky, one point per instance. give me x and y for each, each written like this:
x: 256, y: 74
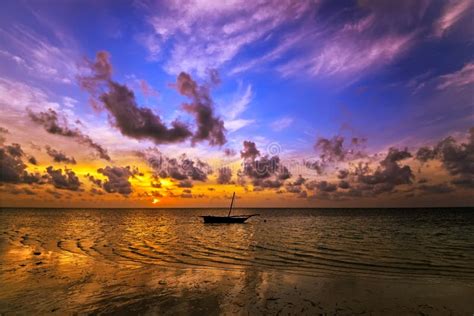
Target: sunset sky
x: 288, y: 103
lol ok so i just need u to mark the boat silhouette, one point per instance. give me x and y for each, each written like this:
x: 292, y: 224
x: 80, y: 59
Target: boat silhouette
x: 210, y: 219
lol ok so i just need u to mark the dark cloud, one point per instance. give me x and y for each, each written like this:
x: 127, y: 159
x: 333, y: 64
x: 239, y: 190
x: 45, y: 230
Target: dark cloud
x: 94, y: 180
x: 314, y: 165
x: 291, y: 188
x: 117, y: 179
x: 155, y: 182
x: 224, y: 175
x: 361, y: 181
x: 54, y: 124
x: 458, y: 159
x: 299, y: 181
x: 302, y: 195
x: 12, y: 167
x: 185, y: 184
x: 26, y: 191
x: 56, y: 194
x: 344, y: 184
x: 267, y: 183
x: 250, y: 151
x: 3, y: 131
x: 229, y: 152
x: 265, y: 172
x: 67, y: 180
x: 32, y: 160
x: 209, y: 126
x: 182, y: 168
x: 15, y: 150
x: 436, y: 188
x: 95, y: 191
x: 99, y: 71
x: 139, y: 122
x: 343, y: 173
x: 59, y: 156
x: 322, y: 186
x: 389, y: 173
x: 332, y: 150
x: 266, y: 167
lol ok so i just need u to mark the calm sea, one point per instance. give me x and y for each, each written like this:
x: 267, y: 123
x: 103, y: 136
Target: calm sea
x: 423, y: 244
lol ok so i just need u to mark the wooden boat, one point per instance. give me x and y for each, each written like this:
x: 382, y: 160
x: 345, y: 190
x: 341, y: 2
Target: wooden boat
x: 210, y: 219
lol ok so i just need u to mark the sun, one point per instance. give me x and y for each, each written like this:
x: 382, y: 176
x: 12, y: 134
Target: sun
x: 156, y: 201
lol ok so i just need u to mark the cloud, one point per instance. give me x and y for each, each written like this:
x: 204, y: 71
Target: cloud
x: 117, y: 179
x: 454, y: 11
x: 3, y: 131
x: 209, y: 127
x: 235, y: 125
x: 250, y: 151
x: 56, y: 125
x: 389, y: 173
x: 141, y: 122
x: 459, y: 79
x: 59, y: 156
x: 456, y: 158
x: 344, y: 184
x: 321, y: 186
x: 185, y: 184
x: 295, y: 186
x: 147, y: 90
x: 13, y: 169
x: 181, y: 168
x: 359, y: 43
x: 224, y: 175
x: 343, y: 173
x: 66, y: 181
x: 32, y: 160
x: 265, y: 172
x: 239, y: 104
x: 436, y: 188
x: 361, y: 181
x: 236, y: 107
x: 204, y: 35
x: 92, y: 179
x: 138, y: 122
x: 98, y: 72
x: 229, y: 152
x: 332, y: 150
x: 281, y: 124
x: 39, y: 56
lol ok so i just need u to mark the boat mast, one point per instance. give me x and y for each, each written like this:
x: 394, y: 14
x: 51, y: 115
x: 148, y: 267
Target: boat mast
x: 230, y: 209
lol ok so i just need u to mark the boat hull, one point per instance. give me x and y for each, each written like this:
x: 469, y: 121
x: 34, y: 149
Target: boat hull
x: 224, y: 219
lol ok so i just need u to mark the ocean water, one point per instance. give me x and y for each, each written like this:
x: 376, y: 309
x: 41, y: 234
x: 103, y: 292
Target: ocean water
x: 81, y: 260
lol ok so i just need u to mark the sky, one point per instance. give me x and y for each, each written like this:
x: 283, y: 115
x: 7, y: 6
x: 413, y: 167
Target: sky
x: 316, y: 103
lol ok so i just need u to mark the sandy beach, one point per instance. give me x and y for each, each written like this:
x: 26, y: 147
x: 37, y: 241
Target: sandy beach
x: 91, y: 288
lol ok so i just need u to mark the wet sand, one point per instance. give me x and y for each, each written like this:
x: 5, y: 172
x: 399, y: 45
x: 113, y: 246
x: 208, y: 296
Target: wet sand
x: 65, y: 263
x: 100, y: 288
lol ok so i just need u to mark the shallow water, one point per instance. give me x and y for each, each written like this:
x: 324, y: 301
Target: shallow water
x: 114, y: 254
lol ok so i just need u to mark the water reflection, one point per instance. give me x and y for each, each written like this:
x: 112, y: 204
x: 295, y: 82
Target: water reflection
x: 168, y: 261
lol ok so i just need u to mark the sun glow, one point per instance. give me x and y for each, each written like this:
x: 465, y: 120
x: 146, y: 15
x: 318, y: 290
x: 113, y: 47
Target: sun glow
x: 156, y: 201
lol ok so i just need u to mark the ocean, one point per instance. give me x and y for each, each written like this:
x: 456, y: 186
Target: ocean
x: 297, y: 261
